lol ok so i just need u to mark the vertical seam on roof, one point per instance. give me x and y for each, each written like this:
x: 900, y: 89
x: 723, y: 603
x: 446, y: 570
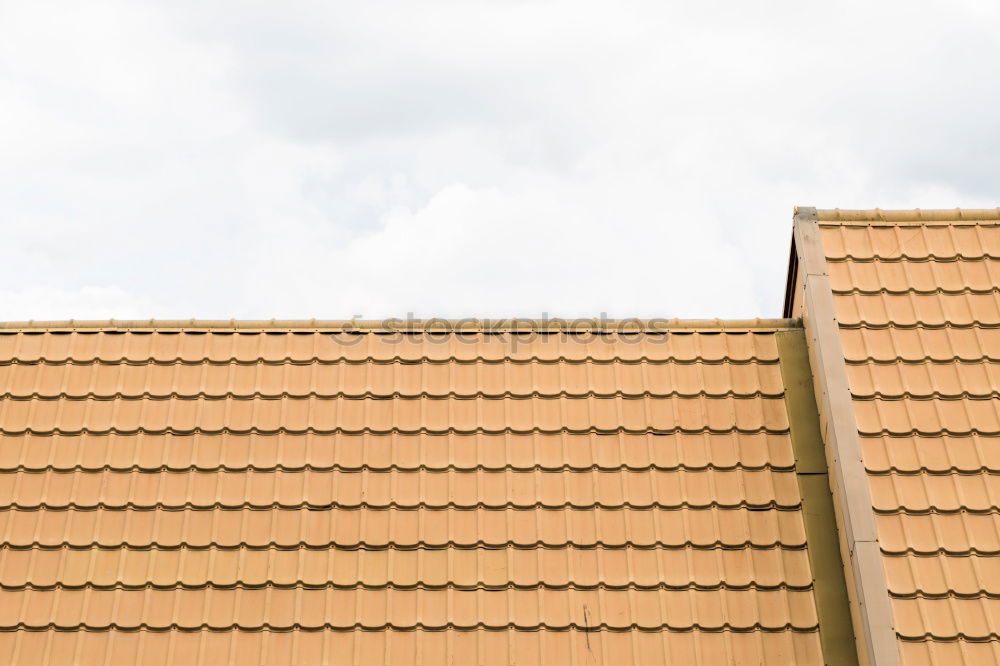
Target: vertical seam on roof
x: 818, y: 515
x: 869, y: 593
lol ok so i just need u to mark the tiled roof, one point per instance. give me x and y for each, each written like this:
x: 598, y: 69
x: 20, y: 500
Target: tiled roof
x: 196, y: 494
x: 917, y: 296
x: 807, y: 491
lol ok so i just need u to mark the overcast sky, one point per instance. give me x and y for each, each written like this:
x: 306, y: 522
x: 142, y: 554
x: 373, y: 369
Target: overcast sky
x: 452, y: 158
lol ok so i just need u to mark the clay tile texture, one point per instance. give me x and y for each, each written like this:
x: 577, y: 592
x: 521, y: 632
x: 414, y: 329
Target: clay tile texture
x: 917, y: 302
x: 310, y: 497
x: 818, y: 489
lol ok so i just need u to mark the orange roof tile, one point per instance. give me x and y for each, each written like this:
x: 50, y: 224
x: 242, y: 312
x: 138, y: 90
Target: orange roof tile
x: 170, y: 494
x: 407, y: 648
x: 524, y: 492
x: 917, y: 296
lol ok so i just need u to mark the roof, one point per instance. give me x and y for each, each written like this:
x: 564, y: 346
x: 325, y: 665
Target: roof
x: 815, y: 489
x: 200, y: 492
x: 917, y: 298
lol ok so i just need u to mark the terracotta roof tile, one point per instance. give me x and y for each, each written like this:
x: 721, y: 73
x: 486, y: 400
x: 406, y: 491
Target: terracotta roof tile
x: 918, y: 304
x: 947, y: 618
x: 928, y: 277
x: 928, y: 416
x: 968, y: 240
x: 277, y: 347
x: 925, y: 453
x: 913, y: 309
x: 955, y: 379
x: 911, y: 345
x: 942, y: 493
x: 280, y: 609
x: 927, y: 652
x: 466, y: 380
x: 469, y: 568
x: 433, y: 528
x: 399, y: 489
x: 292, y: 497
x: 957, y: 533
x: 411, y: 647
x: 940, y: 576
x: 393, y: 451
x: 407, y: 415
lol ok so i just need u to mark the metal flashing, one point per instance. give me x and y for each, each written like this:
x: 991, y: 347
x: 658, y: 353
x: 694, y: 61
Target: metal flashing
x: 822, y: 537
x: 868, y: 590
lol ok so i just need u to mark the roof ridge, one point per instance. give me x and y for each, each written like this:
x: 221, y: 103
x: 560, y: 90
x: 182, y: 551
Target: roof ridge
x: 396, y: 325
x: 918, y: 215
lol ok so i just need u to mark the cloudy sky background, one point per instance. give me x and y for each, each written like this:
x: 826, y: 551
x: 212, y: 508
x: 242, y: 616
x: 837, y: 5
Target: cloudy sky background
x: 452, y: 158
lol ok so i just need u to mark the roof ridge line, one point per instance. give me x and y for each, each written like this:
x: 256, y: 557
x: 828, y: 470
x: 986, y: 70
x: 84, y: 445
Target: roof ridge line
x: 907, y: 215
x: 396, y: 325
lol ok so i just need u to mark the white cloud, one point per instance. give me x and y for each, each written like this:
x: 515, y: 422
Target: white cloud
x: 50, y: 303
x: 478, y: 157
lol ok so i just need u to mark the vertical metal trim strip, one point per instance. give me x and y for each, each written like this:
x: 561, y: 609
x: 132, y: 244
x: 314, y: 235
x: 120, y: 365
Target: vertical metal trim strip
x: 871, y: 609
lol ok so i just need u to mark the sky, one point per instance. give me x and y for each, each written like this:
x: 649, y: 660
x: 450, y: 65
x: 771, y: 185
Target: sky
x: 455, y: 158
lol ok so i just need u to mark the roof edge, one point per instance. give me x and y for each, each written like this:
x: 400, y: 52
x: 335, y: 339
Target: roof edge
x: 865, y: 576
x: 913, y: 215
x: 394, y: 325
